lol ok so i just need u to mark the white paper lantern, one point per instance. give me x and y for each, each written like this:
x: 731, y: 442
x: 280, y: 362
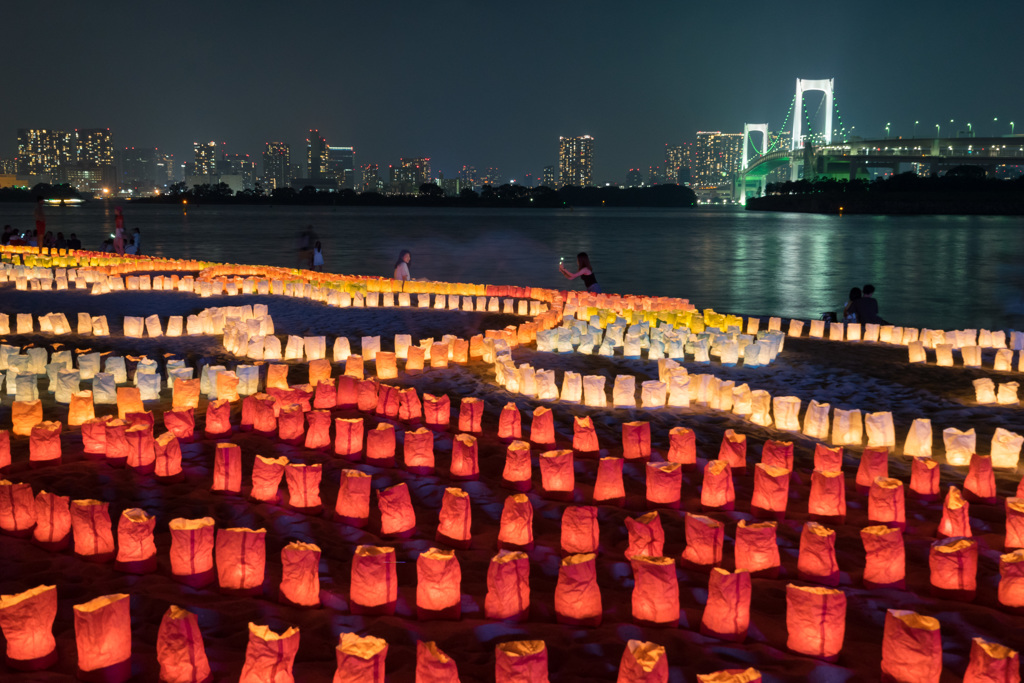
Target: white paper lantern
x: 816, y: 422
x: 796, y: 328
x: 919, y: 439
x: 847, y: 427
x: 880, y: 429
x: 959, y: 446
x: 1006, y: 393
x: 1005, y: 449
x: 787, y: 412
x: 984, y: 390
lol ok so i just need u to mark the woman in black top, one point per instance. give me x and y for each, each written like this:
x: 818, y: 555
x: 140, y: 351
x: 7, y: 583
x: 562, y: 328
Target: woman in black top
x: 585, y: 272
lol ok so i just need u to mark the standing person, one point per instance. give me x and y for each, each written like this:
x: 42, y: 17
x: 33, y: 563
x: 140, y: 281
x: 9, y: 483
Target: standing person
x: 40, y: 217
x: 585, y: 272
x: 402, y: 265
x: 119, y: 231
x: 318, y: 257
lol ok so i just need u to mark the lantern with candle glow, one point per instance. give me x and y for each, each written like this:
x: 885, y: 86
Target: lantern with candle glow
x: 218, y: 417
x: 387, y: 401
x: 380, y: 445
x: 636, y: 440
x: 646, y: 536
x: 44, y: 443
x: 847, y: 427
x: 643, y: 662
x: 828, y: 459
x: 815, y: 621
x: 91, y: 528
x: 348, y: 437
x: 556, y: 471
x: 1006, y: 447
x: 471, y: 411
x: 129, y: 400
x: 717, y: 489
x: 584, y: 439
x: 52, y: 520
x: 956, y: 515
x: 439, y: 579
x: 25, y: 415
x: 817, y: 559
x: 885, y: 502
x: 778, y: 454
x: 664, y: 483
x: 26, y: 620
x: 353, y: 504
x: 727, y: 612
x: 374, y: 581
x: 981, y: 479
x: 510, y: 423
x: 80, y: 409
x: 455, y: 518
x: 655, y: 590
x: 227, y: 386
x: 465, y: 465
x: 990, y: 662
x: 227, y: 468
x: 269, y: 656
x: 959, y: 445
x: 771, y: 489
x: 418, y: 450
x: 749, y: 675
x: 141, y: 447
x: 192, y: 542
x: 103, y: 634
x: 954, y: 566
x: 241, y: 556
x: 787, y: 412
x: 608, y: 484
x: 521, y: 661
x: 885, y: 564
x: 303, y: 485
x: 542, y: 427
x: 816, y: 420
x: 508, y: 586
x: 734, y: 449
x: 593, y: 391
x: 397, y: 515
x: 437, y: 411
x: 291, y: 423
x: 180, y: 649
x: 361, y: 659
x: 577, y: 595
x: 432, y: 666
x: 580, y: 530
x: 1011, y: 579
x: 919, y: 439
x: 516, y: 530
x: 136, y: 550
x: 924, y: 478
x: 409, y: 407
x: 911, y: 647
x: 704, y: 540
x: 756, y: 547
x: 828, y: 495
x: 518, y: 467
x: 874, y: 463
x: 881, y: 433
x: 682, y: 446
x: 300, y: 576
x: 185, y: 393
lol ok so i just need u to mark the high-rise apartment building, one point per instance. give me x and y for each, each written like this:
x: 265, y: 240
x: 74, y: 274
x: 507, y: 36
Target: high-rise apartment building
x: 138, y: 171
x: 240, y: 165
x: 717, y: 157
x: 576, y: 161
x: 491, y: 176
x: 317, y: 159
x: 205, y: 158
x: 277, y: 162
x: 410, y: 173
x: 94, y: 146
x: 341, y: 166
x: 468, y: 176
x: 679, y: 163
x: 548, y: 177
x: 370, y: 178
x: 42, y: 151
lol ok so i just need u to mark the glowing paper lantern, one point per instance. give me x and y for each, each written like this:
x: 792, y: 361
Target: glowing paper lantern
x: 348, y: 437
x: 646, y: 536
x: 516, y: 522
x: 816, y: 420
x: 817, y: 559
x: 90, y: 526
x: 380, y: 445
x: 396, y: 511
x: 44, y: 442
x: 1011, y: 579
x: 733, y: 449
x: 136, y: 550
x: 300, y: 577
x: 218, y: 417
x: 981, y: 479
x: 608, y: 484
x: 471, y: 411
x: 577, y: 595
x: 103, y: 633
x: 1006, y: 393
x: 704, y: 540
x: 437, y: 411
x: 682, y: 446
x: 717, y: 490
x: 664, y: 483
x: 542, y: 427
x: 636, y: 440
x: 291, y: 423
x: 885, y: 564
x: 885, y: 502
x: 556, y: 471
x: 361, y: 659
x: 954, y: 565
x: 919, y: 439
x: 227, y: 468
x: 180, y: 649
x: 353, y: 504
x: 847, y: 428
x: 815, y: 621
x: 874, y: 463
x: 269, y: 656
x: 593, y: 391
x: 192, y: 543
x: 521, y: 661
x: 185, y: 394
x: 911, y: 647
x: 374, y: 582
x: 509, y: 422
x: 455, y: 518
x: 80, y: 409
x: 241, y: 558
x: 655, y: 590
x: 749, y: 675
x: 771, y: 488
x: 643, y: 662
x: 992, y: 662
x: 508, y: 586
x: 778, y: 454
x: 129, y: 400
x: 727, y: 612
x: 27, y: 622
x: 1005, y: 448
x: 959, y: 445
x: 303, y: 485
x: 956, y: 518
x: 924, y: 477
x: 439, y: 578
x: 756, y: 547
x: 387, y: 401
x: 25, y: 415
x: 418, y: 450
x: 787, y: 412
x: 52, y: 519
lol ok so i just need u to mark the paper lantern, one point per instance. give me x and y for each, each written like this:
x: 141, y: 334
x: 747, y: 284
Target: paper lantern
x: 881, y: 433
x: 572, y: 387
x: 704, y: 540
x: 646, y: 536
x: 129, y: 400
x: 556, y: 471
x: 815, y: 621
x: 624, y: 391
x: 439, y: 578
x: 717, y: 489
x: 44, y: 442
x: 516, y: 528
x: 361, y: 659
x: 26, y: 620
x: 664, y: 483
x: 416, y: 357
x: 771, y: 488
x: 455, y: 518
x: 277, y: 376
x: 643, y: 662
x: 919, y: 439
x: 116, y: 446
x: 847, y: 428
x: 828, y: 459
x: 374, y: 582
x: 136, y: 550
x: 577, y: 595
x: 432, y: 666
x: 828, y: 494
x: 593, y: 391
x: 348, y: 437
x: 636, y: 440
x: 418, y: 450
x: 353, y: 504
x: 911, y: 647
x: 180, y: 649
x: 185, y: 394
x: 241, y: 556
x: 817, y: 559
x: 727, y: 612
x: 227, y: 386
x: 521, y: 661
x: 25, y: 415
x: 1006, y: 393
x: 192, y: 543
x: 291, y: 423
x: 787, y: 412
x: 778, y: 454
x: 885, y: 502
x: 91, y: 529
x: 471, y: 412
x: 465, y: 463
x: 956, y: 515
x: 141, y: 447
x: 509, y: 422
x: 52, y: 514
x: 396, y: 511
x: 749, y: 675
x: 387, y: 401
x: 300, y: 575
x: 437, y: 411
x: 1005, y: 448
x: 959, y: 446
x: 954, y: 566
x: 608, y: 484
x: 990, y: 662
x: 682, y: 446
x: 218, y: 417
x: 734, y: 449
x: 380, y: 445
x: 409, y: 407
x: 269, y: 656
x: 103, y: 633
x: 81, y: 408
x: 1011, y: 579
x: 508, y: 586
x: 655, y: 590
x: 518, y: 468
x: 816, y: 420
x: 227, y: 468
x: 580, y: 530
x: 303, y: 485
x: 924, y: 477
x: 981, y: 479
x: 885, y: 565
x: 5, y: 448
x: 756, y: 547
x: 760, y: 407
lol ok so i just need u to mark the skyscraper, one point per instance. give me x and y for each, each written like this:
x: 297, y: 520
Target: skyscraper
x: 575, y: 161
x: 717, y: 157
x: 548, y: 178
x: 316, y: 155
x: 42, y: 151
x: 137, y: 170
x: 241, y: 165
x: 370, y: 178
x: 277, y: 162
x: 205, y: 158
x: 341, y: 165
x: 678, y: 163
x: 410, y: 173
x: 94, y: 146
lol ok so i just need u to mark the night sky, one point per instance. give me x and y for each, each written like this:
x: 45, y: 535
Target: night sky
x: 488, y: 83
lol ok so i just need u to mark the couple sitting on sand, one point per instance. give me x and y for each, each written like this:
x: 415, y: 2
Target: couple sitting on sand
x: 862, y: 307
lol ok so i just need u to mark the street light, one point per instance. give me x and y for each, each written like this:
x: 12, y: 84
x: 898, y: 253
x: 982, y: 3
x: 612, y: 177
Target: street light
x: 915, y: 128
x: 938, y: 131
x: 1011, y: 127
x: 887, y: 130
x: 970, y: 131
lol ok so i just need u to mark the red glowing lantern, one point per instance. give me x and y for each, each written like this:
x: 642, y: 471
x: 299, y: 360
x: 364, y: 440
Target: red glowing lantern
x: 817, y: 559
x: 437, y: 411
x: 439, y: 579
x: 185, y: 393
x: 5, y: 448
x: 117, y: 447
x: 521, y: 661
x: 26, y: 620
x: 516, y: 522
x: 643, y: 662
x: 1014, y: 523
x: 636, y: 440
x: 167, y: 455
x: 471, y: 412
x: 815, y: 621
x: 103, y: 633
x: 734, y: 449
x: 911, y: 647
x: 241, y: 558
x: 192, y: 542
x: 347, y: 392
x: 991, y: 662
x: 52, y: 520
x: 874, y: 463
x: 646, y: 537
x: 828, y: 495
x: 577, y: 595
x: 556, y: 471
x: 580, y: 530
x: 750, y: 675
x: 778, y: 454
x: 91, y: 529
x: 956, y: 516
x: 1011, y: 579
x: 704, y: 540
x: 455, y: 518
x: 325, y: 395
x: 954, y: 566
x: 542, y: 427
x: 885, y: 565
x: 418, y: 450
x: 353, y: 505
x: 397, y: 516
x: 300, y: 574
x: 291, y: 423
x: 374, y: 583
x: 266, y: 478
x: 361, y: 659
x: 380, y: 445
x: 981, y: 479
x: 303, y: 485
x: 508, y: 585
x: 129, y: 400
x: 432, y: 665
x: 180, y: 649
x: 885, y: 502
x: 608, y: 484
x: 25, y: 415
x: 227, y: 468
x: 518, y: 466
x: 269, y: 656
x: 727, y: 613
x: 181, y: 423
x: 136, y: 550
x: 771, y: 488
x: 664, y: 483
x: 465, y: 463
x: 218, y: 417
x: 94, y: 435
x: 828, y: 459
x: 348, y: 437
x: 682, y: 446
x: 319, y: 433
x: 924, y: 477
x: 44, y: 442
x: 510, y: 423
x: 584, y: 436
x: 717, y: 491
x: 387, y: 401
x: 141, y: 447
x: 409, y: 407
x: 655, y: 590
x: 756, y: 548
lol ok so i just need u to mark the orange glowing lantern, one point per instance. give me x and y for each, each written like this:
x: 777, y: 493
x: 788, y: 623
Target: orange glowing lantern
x: 129, y: 400
x: 455, y: 518
x: 81, y: 409
x: 924, y: 477
x: 26, y: 620
x: 518, y: 467
x: 584, y: 438
x: 542, y: 427
x: 347, y: 393
x: 291, y: 423
x: 227, y: 386
x: 608, y: 484
x: 277, y: 375
x: 185, y: 393
x: 180, y: 649
x: 828, y: 495
x: 636, y: 440
x: 771, y: 488
x: 361, y: 659
x: 5, y: 448
x: 577, y: 595
x: 414, y: 362
x: 1011, y: 579
x: 704, y: 540
x: 103, y: 633
x: 717, y: 490
x: 303, y: 485
x: 646, y: 536
x: 218, y: 417
x: 750, y: 675
x: 269, y: 656
x: 192, y: 542
x: 353, y: 504
x: 117, y: 447
x: 44, y: 442
x: 580, y: 530
x: 643, y: 662
x: 374, y: 582
x: 91, y: 529
x: 227, y: 468
x: 181, y: 423
x: 432, y: 666
x: 439, y: 580
x: 465, y: 463
x: 734, y: 449
x: 409, y: 407
x: 94, y: 435
x: 319, y: 433
x: 437, y: 410
x: 885, y: 502
x: 885, y: 565
x: 380, y: 445
x: 167, y: 455
x: 300, y: 575
x: 655, y: 590
x: 136, y: 550
x: 956, y: 516
x: 348, y: 437
x: 25, y: 415
x: 954, y: 566
x: 817, y: 559
x: 418, y: 450
x: 396, y: 511
x: 354, y: 367
x: 556, y: 471
x: 367, y: 395
x: 52, y: 520
x: 325, y: 395
x: 682, y: 446
x: 516, y: 522
x: 664, y: 483
x: 778, y: 454
x: 981, y: 479
x: 241, y: 556
x: 141, y: 447
x: 387, y: 401
x: 510, y: 423
x: 756, y: 547
x: 815, y: 621
x: 319, y: 371
x: 508, y: 586
x: 727, y: 613
x: 911, y: 647
x: 874, y: 463
x: 521, y: 661
x: 828, y: 459
x: 991, y: 662
x: 471, y: 412
x: 1014, y: 523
